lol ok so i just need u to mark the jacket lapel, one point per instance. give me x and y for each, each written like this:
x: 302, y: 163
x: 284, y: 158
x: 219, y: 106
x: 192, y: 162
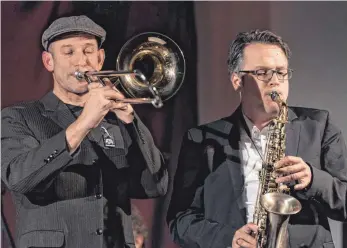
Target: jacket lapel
x: 293, y: 129
x: 233, y: 152
x: 233, y: 155
x: 57, y: 111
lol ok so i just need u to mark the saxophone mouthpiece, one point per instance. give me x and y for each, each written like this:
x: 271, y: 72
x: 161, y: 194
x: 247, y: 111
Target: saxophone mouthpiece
x: 274, y: 95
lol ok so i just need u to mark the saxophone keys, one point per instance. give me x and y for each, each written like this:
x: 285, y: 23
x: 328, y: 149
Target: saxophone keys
x: 283, y: 188
x: 272, y: 185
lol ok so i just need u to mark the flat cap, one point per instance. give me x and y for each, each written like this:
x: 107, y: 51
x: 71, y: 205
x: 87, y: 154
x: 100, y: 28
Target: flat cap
x: 72, y: 24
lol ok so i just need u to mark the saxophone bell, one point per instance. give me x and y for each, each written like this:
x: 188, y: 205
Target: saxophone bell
x: 279, y: 207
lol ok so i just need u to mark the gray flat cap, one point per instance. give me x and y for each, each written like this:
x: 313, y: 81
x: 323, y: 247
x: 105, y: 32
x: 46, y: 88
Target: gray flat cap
x: 72, y: 24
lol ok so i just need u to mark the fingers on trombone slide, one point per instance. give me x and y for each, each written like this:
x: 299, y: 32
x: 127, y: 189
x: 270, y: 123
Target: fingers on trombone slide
x: 107, y: 82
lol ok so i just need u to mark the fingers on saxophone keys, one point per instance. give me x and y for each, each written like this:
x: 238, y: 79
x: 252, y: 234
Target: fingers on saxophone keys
x: 245, y: 240
x: 286, y: 161
x: 244, y: 237
x: 244, y: 244
x: 250, y: 227
x: 290, y: 169
x: 291, y: 177
x: 281, y: 163
x: 283, y: 188
x: 300, y: 186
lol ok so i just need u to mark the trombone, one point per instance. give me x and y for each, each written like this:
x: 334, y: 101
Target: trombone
x: 150, y: 69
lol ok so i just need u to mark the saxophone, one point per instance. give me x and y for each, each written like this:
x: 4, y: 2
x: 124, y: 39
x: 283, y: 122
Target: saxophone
x: 274, y: 205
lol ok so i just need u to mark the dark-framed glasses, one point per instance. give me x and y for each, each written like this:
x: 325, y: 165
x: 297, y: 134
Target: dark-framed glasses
x: 267, y: 74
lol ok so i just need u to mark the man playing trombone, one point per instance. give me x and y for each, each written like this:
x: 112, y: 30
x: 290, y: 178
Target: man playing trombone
x: 73, y: 159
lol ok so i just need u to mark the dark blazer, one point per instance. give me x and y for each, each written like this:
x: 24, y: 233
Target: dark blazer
x: 61, y: 200
x: 203, y: 211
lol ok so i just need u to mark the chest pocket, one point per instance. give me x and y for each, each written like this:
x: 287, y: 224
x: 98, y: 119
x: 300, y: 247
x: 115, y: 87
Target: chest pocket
x: 42, y: 239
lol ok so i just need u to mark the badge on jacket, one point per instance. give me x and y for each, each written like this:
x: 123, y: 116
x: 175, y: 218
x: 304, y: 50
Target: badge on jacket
x: 108, y: 138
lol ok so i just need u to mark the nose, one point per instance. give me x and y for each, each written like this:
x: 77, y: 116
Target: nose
x: 274, y: 80
x: 80, y: 59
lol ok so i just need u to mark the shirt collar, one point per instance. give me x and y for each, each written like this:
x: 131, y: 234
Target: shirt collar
x: 252, y: 128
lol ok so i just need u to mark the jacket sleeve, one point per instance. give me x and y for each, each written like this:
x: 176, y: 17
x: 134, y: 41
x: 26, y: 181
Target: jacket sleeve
x: 28, y: 164
x: 329, y: 184
x: 148, y: 171
x: 186, y: 220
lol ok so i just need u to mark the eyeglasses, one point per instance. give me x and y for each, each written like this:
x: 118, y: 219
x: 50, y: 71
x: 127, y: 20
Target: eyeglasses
x: 267, y: 74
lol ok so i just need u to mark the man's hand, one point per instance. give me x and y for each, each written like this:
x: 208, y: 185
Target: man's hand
x: 99, y: 101
x: 243, y: 237
x: 294, y: 168
x: 124, y: 111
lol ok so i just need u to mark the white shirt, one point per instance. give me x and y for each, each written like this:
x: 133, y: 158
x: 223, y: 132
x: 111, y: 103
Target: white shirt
x: 251, y: 163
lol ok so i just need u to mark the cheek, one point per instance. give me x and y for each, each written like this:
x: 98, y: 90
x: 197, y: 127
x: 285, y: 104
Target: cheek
x: 62, y: 64
x: 94, y: 59
x: 63, y: 70
x: 260, y: 88
x: 252, y: 93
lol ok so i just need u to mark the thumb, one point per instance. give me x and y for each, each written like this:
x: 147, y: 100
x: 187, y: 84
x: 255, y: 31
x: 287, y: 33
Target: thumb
x: 250, y: 227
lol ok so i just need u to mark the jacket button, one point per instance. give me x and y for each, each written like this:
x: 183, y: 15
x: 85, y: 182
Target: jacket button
x: 98, y: 196
x: 99, y: 231
x: 95, y: 161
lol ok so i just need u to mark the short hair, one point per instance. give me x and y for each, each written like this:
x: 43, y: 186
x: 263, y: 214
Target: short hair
x: 237, y: 47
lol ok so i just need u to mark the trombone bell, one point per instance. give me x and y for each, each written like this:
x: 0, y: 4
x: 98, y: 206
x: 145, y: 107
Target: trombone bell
x: 150, y: 69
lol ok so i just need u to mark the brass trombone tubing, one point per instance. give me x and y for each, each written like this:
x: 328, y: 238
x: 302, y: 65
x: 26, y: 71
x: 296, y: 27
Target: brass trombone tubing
x: 156, y: 101
x: 135, y: 100
x: 112, y: 73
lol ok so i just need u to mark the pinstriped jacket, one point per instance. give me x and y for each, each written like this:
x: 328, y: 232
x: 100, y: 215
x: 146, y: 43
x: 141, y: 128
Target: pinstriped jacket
x: 61, y: 199
x: 203, y: 211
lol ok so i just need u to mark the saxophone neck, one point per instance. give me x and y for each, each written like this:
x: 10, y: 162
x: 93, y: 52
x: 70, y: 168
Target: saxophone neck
x: 283, y: 107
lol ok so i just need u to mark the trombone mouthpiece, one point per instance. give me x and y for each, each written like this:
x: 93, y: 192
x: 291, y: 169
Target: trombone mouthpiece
x: 79, y: 75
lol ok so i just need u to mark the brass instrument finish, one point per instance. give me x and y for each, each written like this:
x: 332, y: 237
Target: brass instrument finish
x: 274, y: 205
x: 150, y: 69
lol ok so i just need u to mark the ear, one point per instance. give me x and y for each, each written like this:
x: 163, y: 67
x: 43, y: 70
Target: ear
x: 236, y: 80
x: 101, y: 58
x: 47, y: 60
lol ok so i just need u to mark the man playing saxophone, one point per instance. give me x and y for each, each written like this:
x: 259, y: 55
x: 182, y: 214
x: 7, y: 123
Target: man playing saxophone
x: 217, y: 178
